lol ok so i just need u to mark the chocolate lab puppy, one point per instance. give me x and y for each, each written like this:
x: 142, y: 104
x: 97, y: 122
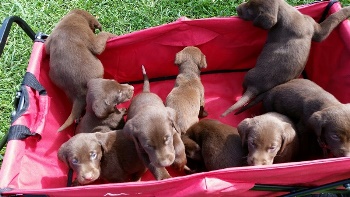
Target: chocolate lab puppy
x: 315, y: 111
x: 287, y: 47
x: 72, y: 47
x: 212, y: 145
x: 150, y: 124
x: 109, y: 155
x: 271, y: 138
x: 187, y: 97
x: 102, y: 97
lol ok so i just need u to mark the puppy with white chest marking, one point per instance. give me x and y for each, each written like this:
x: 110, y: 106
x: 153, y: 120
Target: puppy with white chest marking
x: 150, y: 124
x: 287, y: 47
x: 73, y: 47
x: 187, y: 96
x: 109, y: 155
x: 102, y: 97
x: 271, y: 138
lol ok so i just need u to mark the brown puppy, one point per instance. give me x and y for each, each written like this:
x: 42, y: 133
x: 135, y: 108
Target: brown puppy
x: 271, y: 138
x: 102, y: 97
x: 187, y: 97
x: 72, y: 47
x: 213, y: 145
x: 150, y: 124
x: 288, y: 42
x: 315, y: 110
x: 109, y: 155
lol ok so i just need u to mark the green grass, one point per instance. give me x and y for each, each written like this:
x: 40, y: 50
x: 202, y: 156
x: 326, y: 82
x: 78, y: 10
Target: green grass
x: 116, y: 16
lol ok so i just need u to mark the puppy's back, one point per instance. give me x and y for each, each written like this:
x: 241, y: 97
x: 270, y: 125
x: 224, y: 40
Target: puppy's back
x: 221, y: 146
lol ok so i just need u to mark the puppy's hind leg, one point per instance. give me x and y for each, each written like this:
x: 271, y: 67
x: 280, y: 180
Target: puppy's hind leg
x: 99, y: 44
x: 77, y: 109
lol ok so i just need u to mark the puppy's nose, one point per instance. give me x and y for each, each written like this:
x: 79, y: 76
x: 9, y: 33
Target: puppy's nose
x: 88, y: 176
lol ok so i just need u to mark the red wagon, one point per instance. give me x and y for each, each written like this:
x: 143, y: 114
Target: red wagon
x: 231, y: 46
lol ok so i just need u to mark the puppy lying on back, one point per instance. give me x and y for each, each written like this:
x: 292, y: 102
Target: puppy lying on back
x: 288, y: 41
x: 271, y: 138
x: 212, y: 145
x: 150, y: 124
x: 108, y: 155
x: 72, y: 47
x: 102, y: 97
x: 187, y: 97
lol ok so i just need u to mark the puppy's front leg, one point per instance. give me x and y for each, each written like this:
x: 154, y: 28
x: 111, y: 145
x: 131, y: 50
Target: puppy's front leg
x: 158, y: 173
x: 202, y: 112
x: 99, y: 44
x: 180, y: 155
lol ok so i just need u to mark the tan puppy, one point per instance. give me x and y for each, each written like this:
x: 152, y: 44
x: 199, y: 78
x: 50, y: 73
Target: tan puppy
x: 102, y: 97
x: 271, y: 138
x: 212, y: 145
x: 72, y: 47
x: 108, y: 155
x: 187, y: 97
x: 150, y: 124
x: 289, y: 40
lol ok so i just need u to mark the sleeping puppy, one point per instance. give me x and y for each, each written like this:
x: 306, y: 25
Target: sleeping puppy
x: 102, y: 97
x: 109, y: 155
x: 271, y: 138
x: 150, y: 124
x: 72, y: 47
x: 285, y: 24
x: 314, y: 110
x: 212, y: 145
x: 187, y: 97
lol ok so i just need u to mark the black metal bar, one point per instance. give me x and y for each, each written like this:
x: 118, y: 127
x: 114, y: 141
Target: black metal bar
x: 323, y: 188
x: 6, y: 27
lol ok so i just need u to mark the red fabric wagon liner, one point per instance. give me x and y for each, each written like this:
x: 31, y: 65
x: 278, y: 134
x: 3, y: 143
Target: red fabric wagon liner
x: 231, y: 46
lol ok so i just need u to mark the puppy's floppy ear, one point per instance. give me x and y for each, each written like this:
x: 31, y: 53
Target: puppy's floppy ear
x: 172, y: 116
x: 100, y: 107
x: 203, y: 62
x: 62, y: 153
x: 106, y: 139
x: 129, y: 129
x: 179, y: 58
x: 267, y: 16
x: 243, y: 130
x: 316, y: 122
x: 288, y: 135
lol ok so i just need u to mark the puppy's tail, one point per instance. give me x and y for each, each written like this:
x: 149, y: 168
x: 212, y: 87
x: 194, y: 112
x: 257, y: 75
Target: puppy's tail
x: 77, y: 109
x: 253, y: 102
x: 323, y: 29
x: 246, y: 97
x: 146, y: 86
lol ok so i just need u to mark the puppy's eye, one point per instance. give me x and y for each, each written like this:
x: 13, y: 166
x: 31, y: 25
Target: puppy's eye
x: 93, y: 155
x: 75, y: 161
x: 272, y: 148
x: 167, y: 139
x: 335, y: 137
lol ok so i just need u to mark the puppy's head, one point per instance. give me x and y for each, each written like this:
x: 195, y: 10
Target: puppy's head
x: 92, y: 21
x: 332, y: 126
x: 263, y: 13
x: 266, y: 138
x: 191, y: 54
x: 153, y: 133
x: 83, y: 153
x: 104, y: 94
